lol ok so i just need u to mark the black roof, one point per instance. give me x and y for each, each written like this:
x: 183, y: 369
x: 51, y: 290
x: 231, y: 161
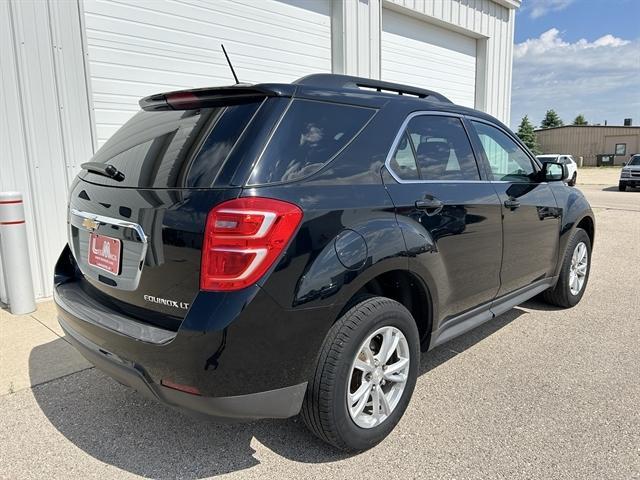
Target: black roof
x: 332, y: 87
x: 334, y: 81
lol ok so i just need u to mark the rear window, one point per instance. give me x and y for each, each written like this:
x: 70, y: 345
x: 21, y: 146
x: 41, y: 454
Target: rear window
x: 173, y: 149
x: 309, y: 136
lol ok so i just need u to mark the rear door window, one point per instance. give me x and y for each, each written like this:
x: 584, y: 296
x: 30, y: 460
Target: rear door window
x: 309, y: 136
x: 441, y: 148
x: 173, y: 149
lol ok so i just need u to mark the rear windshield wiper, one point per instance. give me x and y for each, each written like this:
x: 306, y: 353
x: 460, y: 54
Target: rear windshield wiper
x: 103, y: 169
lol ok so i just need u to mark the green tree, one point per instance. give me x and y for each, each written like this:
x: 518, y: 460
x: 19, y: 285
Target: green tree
x: 527, y: 134
x: 551, y: 119
x: 580, y: 120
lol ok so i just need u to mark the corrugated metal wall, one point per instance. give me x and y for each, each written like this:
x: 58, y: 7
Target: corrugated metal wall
x: 426, y: 55
x: 45, y: 130
x: 493, y: 25
x: 138, y: 49
x: 589, y: 141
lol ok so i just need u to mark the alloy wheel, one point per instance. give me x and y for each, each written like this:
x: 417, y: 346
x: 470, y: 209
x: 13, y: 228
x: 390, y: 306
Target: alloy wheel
x: 378, y: 378
x: 578, y: 268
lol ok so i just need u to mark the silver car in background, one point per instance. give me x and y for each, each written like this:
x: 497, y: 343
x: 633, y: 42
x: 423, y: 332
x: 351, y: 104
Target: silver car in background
x: 630, y: 174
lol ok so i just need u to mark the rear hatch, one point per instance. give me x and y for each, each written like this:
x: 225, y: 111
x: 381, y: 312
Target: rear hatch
x: 138, y: 210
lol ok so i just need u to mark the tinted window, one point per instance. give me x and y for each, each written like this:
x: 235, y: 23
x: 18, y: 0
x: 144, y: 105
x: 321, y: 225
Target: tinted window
x: 442, y: 149
x: 310, y: 134
x: 158, y: 149
x: 403, y: 162
x: 507, y: 160
x: 634, y: 160
x: 218, y: 145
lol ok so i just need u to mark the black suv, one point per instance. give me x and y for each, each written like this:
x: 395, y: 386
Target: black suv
x: 266, y: 250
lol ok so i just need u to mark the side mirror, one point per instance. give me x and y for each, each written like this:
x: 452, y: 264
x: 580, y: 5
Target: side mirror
x: 624, y: 164
x: 554, y: 172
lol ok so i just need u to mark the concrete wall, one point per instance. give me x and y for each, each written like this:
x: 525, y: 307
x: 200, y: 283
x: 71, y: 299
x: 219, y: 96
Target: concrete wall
x: 589, y: 141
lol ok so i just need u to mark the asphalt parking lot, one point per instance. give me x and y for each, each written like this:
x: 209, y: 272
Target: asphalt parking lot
x: 536, y: 393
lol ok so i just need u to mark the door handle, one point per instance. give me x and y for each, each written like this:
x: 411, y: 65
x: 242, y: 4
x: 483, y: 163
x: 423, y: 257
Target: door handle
x: 431, y: 205
x: 512, y: 203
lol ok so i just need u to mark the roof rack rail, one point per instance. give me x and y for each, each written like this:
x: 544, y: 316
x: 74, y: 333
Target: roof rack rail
x: 347, y: 81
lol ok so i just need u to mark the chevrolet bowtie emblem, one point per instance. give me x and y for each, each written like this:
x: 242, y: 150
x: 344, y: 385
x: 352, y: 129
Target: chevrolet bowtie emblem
x: 90, y: 224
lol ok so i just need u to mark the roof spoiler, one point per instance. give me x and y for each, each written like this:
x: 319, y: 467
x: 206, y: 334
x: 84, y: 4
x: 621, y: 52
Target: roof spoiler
x: 346, y: 81
x: 207, y: 97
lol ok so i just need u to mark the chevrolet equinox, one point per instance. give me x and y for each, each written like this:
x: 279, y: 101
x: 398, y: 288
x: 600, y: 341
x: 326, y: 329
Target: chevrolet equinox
x: 263, y: 251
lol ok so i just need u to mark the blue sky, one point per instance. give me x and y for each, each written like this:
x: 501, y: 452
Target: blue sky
x: 577, y: 56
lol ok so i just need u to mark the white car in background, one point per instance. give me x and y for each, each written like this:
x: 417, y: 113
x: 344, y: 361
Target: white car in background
x: 572, y: 166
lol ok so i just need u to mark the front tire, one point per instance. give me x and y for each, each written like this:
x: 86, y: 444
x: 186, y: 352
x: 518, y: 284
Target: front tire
x: 365, y: 375
x: 574, y: 274
x: 622, y: 186
x: 574, y: 180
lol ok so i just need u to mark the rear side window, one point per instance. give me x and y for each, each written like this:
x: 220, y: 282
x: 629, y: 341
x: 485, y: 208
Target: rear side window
x: 403, y: 162
x: 173, y: 149
x: 309, y: 136
x: 440, y: 147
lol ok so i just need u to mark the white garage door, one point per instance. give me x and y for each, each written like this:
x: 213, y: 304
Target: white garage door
x: 424, y: 55
x: 140, y: 48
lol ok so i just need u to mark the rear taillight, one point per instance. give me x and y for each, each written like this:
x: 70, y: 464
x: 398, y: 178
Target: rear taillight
x: 243, y: 238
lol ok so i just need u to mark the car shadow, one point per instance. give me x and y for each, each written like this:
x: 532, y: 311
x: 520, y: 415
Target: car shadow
x: 616, y: 189
x: 120, y: 427
x: 536, y: 303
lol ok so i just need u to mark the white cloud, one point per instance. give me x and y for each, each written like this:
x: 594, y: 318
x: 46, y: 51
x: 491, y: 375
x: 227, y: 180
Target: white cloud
x: 551, y: 41
x: 605, y: 41
x: 539, y: 8
x: 600, y: 78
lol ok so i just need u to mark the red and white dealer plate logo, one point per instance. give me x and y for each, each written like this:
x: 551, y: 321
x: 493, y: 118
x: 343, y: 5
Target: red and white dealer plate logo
x: 104, y: 253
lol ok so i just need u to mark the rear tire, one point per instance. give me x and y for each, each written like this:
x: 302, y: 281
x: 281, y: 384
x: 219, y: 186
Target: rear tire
x: 574, y: 179
x: 622, y: 186
x: 329, y: 410
x: 564, y: 294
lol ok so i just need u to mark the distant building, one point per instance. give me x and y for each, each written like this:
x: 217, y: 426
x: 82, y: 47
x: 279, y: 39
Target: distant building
x: 597, y: 144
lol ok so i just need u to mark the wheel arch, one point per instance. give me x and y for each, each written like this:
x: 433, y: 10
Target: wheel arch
x: 587, y: 223
x: 406, y: 288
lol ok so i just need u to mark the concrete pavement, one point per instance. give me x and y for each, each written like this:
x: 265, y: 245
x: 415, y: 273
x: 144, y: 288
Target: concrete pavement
x: 19, y: 336
x: 536, y: 393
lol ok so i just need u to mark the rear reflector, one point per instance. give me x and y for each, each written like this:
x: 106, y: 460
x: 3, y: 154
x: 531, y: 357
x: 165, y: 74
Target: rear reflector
x: 182, y: 388
x: 243, y: 239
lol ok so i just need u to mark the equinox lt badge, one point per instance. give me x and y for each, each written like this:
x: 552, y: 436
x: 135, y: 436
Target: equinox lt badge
x: 166, y: 301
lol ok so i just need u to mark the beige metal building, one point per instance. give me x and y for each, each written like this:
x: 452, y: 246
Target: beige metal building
x: 591, y: 141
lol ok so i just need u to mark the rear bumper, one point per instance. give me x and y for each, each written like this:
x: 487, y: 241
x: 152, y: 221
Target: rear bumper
x: 246, y: 356
x: 279, y: 403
